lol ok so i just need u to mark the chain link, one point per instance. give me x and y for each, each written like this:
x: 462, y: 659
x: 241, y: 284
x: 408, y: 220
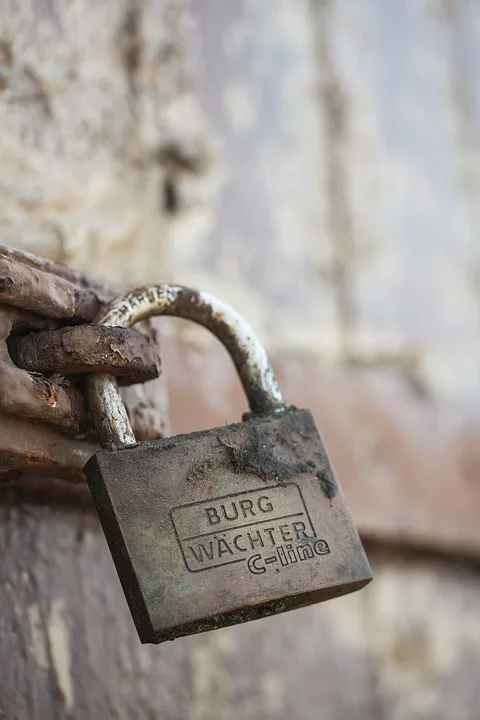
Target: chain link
x: 46, y: 344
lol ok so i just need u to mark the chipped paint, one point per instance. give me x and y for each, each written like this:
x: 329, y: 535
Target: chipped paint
x: 211, y: 679
x: 39, y: 643
x: 59, y: 638
x: 225, y: 640
x: 413, y: 650
x: 51, y: 644
x: 272, y: 689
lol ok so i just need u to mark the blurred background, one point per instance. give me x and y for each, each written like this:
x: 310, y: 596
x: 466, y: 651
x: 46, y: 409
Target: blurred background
x: 316, y: 163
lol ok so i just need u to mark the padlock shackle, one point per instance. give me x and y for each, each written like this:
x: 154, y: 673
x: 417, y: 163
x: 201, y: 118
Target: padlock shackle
x: 250, y: 359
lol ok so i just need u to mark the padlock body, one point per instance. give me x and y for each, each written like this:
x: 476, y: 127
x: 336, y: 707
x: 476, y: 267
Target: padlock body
x: 226, y: 525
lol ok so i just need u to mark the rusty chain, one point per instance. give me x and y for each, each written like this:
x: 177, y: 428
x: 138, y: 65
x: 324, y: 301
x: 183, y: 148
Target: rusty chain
x: 79, y: 349
x: 46, y: 344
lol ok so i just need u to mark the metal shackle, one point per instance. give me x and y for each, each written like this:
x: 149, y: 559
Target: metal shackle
x: 256, y: 375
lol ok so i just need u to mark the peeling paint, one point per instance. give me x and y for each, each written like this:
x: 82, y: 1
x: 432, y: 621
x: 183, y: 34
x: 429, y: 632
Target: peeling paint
x: 225, y: 640
x: 272, y: 688
x: 52, y: 644
x: 211, y: 679
x: 39, y: 644
x: 59, y: 638
x: 414, y: 650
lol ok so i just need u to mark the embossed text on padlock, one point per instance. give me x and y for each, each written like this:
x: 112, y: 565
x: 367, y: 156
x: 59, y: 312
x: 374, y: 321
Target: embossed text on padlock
x: 224, y: 525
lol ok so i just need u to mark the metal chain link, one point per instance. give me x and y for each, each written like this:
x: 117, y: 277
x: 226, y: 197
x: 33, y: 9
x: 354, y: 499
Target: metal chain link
x: 46, y: 344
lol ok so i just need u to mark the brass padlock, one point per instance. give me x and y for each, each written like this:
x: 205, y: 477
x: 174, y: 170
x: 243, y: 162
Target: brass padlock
x: 224, y: 525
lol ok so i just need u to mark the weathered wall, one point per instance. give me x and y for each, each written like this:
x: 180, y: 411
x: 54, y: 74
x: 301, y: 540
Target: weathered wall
x: 96, y: 111
x: 346, y: 231
x: 405, y: 647
x: 315, y: 163
x: 318, y: 160
x: 348, y: 214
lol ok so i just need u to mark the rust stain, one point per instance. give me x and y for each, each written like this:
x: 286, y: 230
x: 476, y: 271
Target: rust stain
x: 52, y: 397
x: 88, y: 348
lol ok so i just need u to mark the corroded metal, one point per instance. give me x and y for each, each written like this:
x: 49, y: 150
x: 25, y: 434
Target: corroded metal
x: 226, y: 525
x: 41, y: 413
x: 44, y: 293
x: 248, y: 355
x: 30, y: 394
x: 71, y: 350
x: 104, y: 291
x: 36, y: 447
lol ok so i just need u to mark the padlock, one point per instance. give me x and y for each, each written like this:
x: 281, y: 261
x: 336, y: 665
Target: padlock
x: 225, y: 525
